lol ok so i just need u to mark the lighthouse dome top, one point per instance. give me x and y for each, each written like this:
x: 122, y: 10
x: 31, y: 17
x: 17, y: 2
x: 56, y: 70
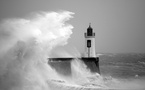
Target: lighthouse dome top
x: 90, y: 28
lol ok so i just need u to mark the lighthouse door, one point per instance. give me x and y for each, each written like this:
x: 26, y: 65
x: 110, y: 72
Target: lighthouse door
x: 88, y: 43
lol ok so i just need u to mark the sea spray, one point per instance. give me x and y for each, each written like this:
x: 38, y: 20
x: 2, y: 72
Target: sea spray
x: 83, y: 76
x: 24, y: 49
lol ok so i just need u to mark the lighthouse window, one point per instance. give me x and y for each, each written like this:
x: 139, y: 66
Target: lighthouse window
x: 88, y: 43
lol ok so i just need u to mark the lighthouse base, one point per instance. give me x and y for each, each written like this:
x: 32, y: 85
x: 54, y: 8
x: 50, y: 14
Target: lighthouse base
x: 63, y: 65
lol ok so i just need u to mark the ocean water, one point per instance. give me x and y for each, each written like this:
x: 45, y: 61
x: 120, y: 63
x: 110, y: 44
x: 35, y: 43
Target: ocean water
x: 123, y: 66
x: 127, y: 68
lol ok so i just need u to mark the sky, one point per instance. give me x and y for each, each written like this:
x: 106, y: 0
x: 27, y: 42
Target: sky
x: 119, y: 24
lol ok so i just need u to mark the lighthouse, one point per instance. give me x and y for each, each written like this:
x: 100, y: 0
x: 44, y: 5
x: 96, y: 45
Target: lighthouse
x: 89, y: 42
x: 90, y: 58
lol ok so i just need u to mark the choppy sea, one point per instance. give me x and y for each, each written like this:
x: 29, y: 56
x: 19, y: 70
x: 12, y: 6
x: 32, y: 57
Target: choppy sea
x: 127, y: 68
x: 124, y: 66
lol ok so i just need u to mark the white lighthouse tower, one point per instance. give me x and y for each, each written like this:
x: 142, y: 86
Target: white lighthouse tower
x: 90, y: 43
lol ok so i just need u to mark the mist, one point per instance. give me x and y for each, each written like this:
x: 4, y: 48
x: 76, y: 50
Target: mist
x: 25, y: 44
